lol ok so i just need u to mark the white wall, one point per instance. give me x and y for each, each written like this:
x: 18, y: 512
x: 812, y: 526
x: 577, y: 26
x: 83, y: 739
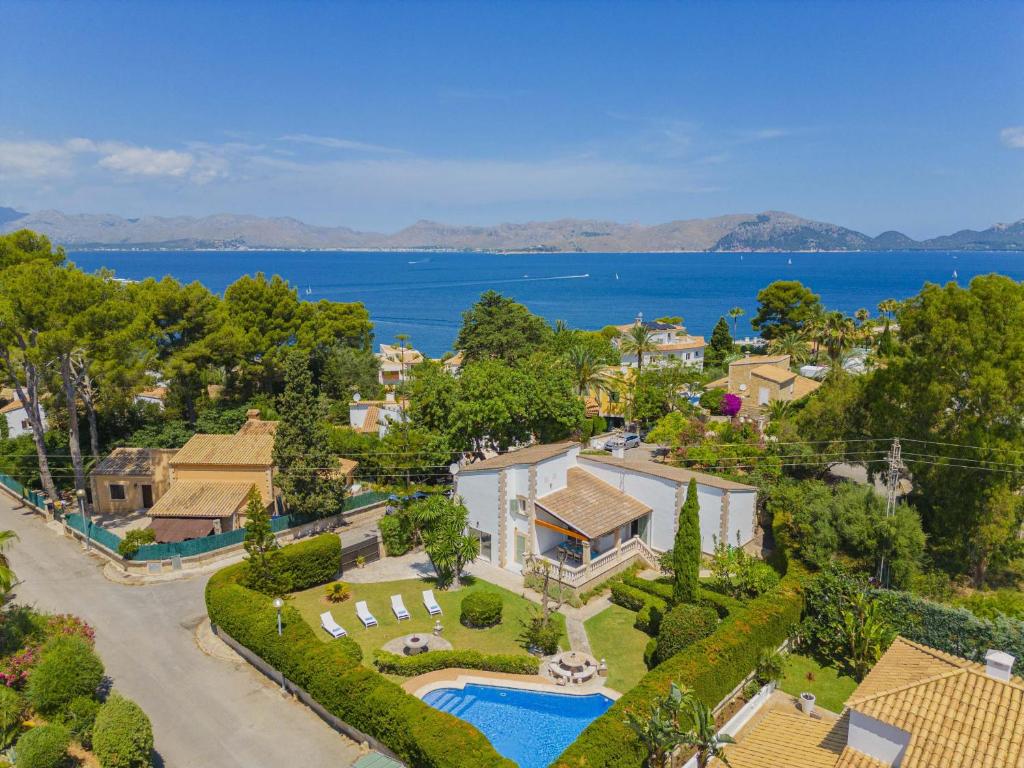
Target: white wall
x: 710, y: 500
x: 479, y: 492
x: 656, y: 492
x: 879, y: 740
x: 552, y: 473
x: 742, y: 514
x: 14, y: 420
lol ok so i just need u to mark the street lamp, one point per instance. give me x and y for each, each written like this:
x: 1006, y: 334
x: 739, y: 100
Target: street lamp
x: 278, y: 603
x: 80, y: 493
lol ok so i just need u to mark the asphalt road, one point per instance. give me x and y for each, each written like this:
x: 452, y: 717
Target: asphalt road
x: 206, y: 713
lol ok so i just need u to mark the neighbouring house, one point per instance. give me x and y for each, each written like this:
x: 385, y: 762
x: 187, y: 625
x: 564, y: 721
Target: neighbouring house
x: 130, y: 480
x: 395, y: 363
x: 602, y: 511
x: 453, y: 364
x: 761, y: 379
x: 374, y: 417
x: 674, y: 344
x: 16, y: 415
x: 210, y: 480
x: 917, y: 708
x: 153, y: 396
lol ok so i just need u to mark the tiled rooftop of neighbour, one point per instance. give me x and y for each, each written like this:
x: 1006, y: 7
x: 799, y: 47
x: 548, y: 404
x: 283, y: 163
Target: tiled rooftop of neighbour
x: 529, y: 455
x: 371, y: 421
x: 14, y: 405
x: 788, y: 740
x: 257, y: 427
x: 592, y: 506
x: 774, y: 373
x: 126, y: 461
x: 194, y: 498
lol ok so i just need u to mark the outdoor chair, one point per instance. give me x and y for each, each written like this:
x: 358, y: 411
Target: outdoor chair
x: 399, y: 607
x: 364, y: 615
x: 430, y: 603
x: 331, y: 627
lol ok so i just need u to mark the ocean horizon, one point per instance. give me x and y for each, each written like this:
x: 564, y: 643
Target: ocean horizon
x: 423, y: 293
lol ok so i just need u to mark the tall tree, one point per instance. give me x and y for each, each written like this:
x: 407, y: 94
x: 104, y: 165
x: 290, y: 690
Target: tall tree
x: 720, y: 346
x: 783, y: 306
x: 263, y: 563
x: 792, y: 344
x: 736, y: 313
x: 448, y: 546
x: 268, y: 317
x: 24, y: 245
x: 686, y: 551
x: 492, y: 407
x: 307, y: 470
x: 639, y: 342
x: 838, y: 335
x: 499, y: 328
x: 7, y: 577
x: 589, y: 374
x: 432, y: 392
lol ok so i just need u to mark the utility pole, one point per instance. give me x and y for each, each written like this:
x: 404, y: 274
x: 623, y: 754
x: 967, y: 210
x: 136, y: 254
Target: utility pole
x: 895, y: 463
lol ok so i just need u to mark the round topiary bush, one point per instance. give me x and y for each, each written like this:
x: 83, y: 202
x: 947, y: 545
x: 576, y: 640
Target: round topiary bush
x: 481, y: 609
x: 68, y: 668
x: 122, y: 736
x: 12, y: 711
x: 79, y: 717
x: 683, y: 625
x: 43, y: 747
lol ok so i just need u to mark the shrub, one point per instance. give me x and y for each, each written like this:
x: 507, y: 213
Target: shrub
x: 122, y: 735
x: 771, y: 665
x: 648, y: 619
x: 395, y: 534
x: 481, y: 609
x: 409, y: 666
x: 649, y: 650
x: 649, y: 607
x: 332, y: 675
x: 78, y: 717
x: 133, y: 540
x: 43, y: 747
x: 12, y: 712
x: 68, y: 668
x: 541, y: 636
x: 312, y: 562
x: 711, y: 401
x: 731, y: 404
x: 338, y: 592
x: 681, y: 627
x: 756, y: 577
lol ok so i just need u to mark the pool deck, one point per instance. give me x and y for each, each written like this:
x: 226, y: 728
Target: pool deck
x: 421, y: 685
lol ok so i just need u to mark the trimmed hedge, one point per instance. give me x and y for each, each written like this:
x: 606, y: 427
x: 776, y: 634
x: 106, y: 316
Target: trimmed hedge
x: 723, y: 604
x: 712, y: 667
x: 649, y: 608
x: 421, y: 663
x: 69, y: 668
x: 420, y: 735
x: 681, y: 627
x: 45, y: 746
x: 312, y: 562
x: 481, y: 609
x: 395, y: 534
x: 122, y: 736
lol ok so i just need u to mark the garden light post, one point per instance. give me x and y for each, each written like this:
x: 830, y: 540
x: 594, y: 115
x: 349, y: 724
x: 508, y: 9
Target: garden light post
x: 80, y: 493
x: 278, y: 603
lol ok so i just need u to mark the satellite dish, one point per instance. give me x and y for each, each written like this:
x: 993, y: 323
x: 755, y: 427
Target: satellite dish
x: 743, y: 387
x: 454, y: 469
x: 356, y: 397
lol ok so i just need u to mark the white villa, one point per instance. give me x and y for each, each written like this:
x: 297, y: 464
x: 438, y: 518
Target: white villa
x: 674, y: 344
x: 375, y: 416
x: 395, y: 363
x: 604, y: 511
x: 16, y: 415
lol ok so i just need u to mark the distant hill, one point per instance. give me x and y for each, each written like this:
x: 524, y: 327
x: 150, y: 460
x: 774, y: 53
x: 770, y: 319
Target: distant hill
x: 768, y: 231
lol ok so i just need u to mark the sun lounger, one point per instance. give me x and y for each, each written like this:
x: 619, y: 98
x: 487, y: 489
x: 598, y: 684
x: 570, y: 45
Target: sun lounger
x: 430, y: 603
x: 399, y: 607
x: 364, y: 614
x: 331, y: 627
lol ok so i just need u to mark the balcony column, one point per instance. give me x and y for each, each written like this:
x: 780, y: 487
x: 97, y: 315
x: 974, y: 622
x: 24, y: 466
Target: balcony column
x: 586, y: 552
x: 618, y: 542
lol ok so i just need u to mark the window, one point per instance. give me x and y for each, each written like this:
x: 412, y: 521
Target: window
x: 25, y: 424
x: 517, y: 506
x: 485, y: 542
x: 116, y: 492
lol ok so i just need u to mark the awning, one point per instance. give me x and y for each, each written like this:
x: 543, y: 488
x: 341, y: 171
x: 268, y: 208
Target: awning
x: 592, y: 506
x: 170, y: 529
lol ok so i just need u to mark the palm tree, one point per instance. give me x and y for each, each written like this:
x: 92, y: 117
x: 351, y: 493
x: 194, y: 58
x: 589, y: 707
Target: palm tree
x: 736, y: 313
x: 862, y: 316
x: 838, y: 334
x: 790, y: 343
x: 866, y: 634
x: 703, y: 734
x: 887, y: 307
x: 588, y: 373
x: 638, y: 341
x: 662, y: 731
x: 7, y: 577
x: 779, y: 409
x: 448, y: 546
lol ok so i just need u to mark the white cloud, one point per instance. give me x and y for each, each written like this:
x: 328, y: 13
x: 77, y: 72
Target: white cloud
x: 36, y: 159
x: 1013, y: 137
x: 144, y: 161
x: 332, y: 142
x: 763, y: 134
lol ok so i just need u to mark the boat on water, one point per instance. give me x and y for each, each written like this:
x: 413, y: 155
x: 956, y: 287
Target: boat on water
x: 308, y: 290
x: 954, y: 274
x: 789, y: 261
x: 616, y: 275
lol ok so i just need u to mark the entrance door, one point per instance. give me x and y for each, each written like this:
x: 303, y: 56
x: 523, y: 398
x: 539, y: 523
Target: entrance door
x: 147, y: 496
x: 520, y: 548
x: 762, y: 396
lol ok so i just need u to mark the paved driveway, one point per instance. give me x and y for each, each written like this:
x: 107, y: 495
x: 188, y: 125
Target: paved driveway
x: 206, y: 713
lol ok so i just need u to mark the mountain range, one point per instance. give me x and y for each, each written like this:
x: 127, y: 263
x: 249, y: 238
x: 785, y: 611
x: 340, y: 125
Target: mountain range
x: 768, y: 231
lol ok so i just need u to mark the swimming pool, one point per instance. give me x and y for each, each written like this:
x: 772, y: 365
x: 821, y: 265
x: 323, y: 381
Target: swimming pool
x: 529, y: 727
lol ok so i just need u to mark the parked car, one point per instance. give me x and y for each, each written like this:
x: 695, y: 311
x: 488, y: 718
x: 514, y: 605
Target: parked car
x: 628, y: 440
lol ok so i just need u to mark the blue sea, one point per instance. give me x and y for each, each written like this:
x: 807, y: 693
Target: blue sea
x: 423, y: 294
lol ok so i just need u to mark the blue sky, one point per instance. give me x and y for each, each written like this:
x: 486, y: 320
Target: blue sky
x: 374, y: 115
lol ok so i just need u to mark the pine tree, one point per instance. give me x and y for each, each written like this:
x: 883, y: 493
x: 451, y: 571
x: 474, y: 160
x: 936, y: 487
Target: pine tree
x: 306, y: 470
x: 686, y: 552
x: 264, y: 565
x: 720, y: 346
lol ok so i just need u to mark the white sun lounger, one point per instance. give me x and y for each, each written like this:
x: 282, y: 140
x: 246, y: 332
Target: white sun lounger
x: 399, y: 607
x: 430, y: 603
x: 331, y: 627
x: 364, y: 614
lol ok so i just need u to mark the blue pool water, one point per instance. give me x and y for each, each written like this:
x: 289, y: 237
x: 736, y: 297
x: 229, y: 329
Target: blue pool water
x: 527, y: 727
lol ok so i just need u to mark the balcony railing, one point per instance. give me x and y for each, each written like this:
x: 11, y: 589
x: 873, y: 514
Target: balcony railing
x: 578, y: 575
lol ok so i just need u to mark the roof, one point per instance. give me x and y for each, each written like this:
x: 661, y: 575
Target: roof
x: 170, y: 529
x: 529, y: 455
x: 762, y: 360
x: 774, y: 373
x: 258, y: 427
x: 788, y: 739
x: 227, y: 450
x: 154, y: 393
x: 592, y: 506
x: 126, y: 461
x: 14, y: 405
x: 195, y: 498
x: 371, y: 421
x: 395, y: 353
x: 956, y: 714
x: 652, y: 326
x: 347, y: 466
x: 803, y: 386
x: 721, y: 383
x: 668, y: 472
x: 690, y: 342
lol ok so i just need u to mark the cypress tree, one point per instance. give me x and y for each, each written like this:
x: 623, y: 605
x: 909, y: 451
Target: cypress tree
x: 264, y: 565
x: 720, y: 346
x: 686, y: 552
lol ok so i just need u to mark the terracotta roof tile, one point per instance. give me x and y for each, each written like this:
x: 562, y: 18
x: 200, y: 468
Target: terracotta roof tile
x: 773, y: 373
x: 257, y: 427
x: 227, y: 450
x: 788, y: 740
x: 592, y: 506
x: 529, y: 455
x: 193, y: 498
x: 14, y: 405
x: 126, y: 461
x: 371, y: 421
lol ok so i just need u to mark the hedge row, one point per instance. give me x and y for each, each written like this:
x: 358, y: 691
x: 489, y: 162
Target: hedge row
x: 409, y: 666
x: 312, y: 562
x: 331, y: 674
x: 722, y: 604
x: 712, y: 667
x: 649, y: 608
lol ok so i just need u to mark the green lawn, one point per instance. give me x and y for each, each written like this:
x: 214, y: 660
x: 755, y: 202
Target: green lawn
x: 504, y: 638
x: 831, y: 688
x: 614, y: 639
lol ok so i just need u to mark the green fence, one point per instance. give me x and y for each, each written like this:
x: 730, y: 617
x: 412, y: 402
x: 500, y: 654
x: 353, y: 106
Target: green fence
x: 34, y: 498
x: 96, y: 533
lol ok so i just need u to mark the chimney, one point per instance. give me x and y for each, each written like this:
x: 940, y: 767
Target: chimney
x: 253, y: 414
x: 389, y: 397
x: 999, y: 665
x: 619, y: 452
